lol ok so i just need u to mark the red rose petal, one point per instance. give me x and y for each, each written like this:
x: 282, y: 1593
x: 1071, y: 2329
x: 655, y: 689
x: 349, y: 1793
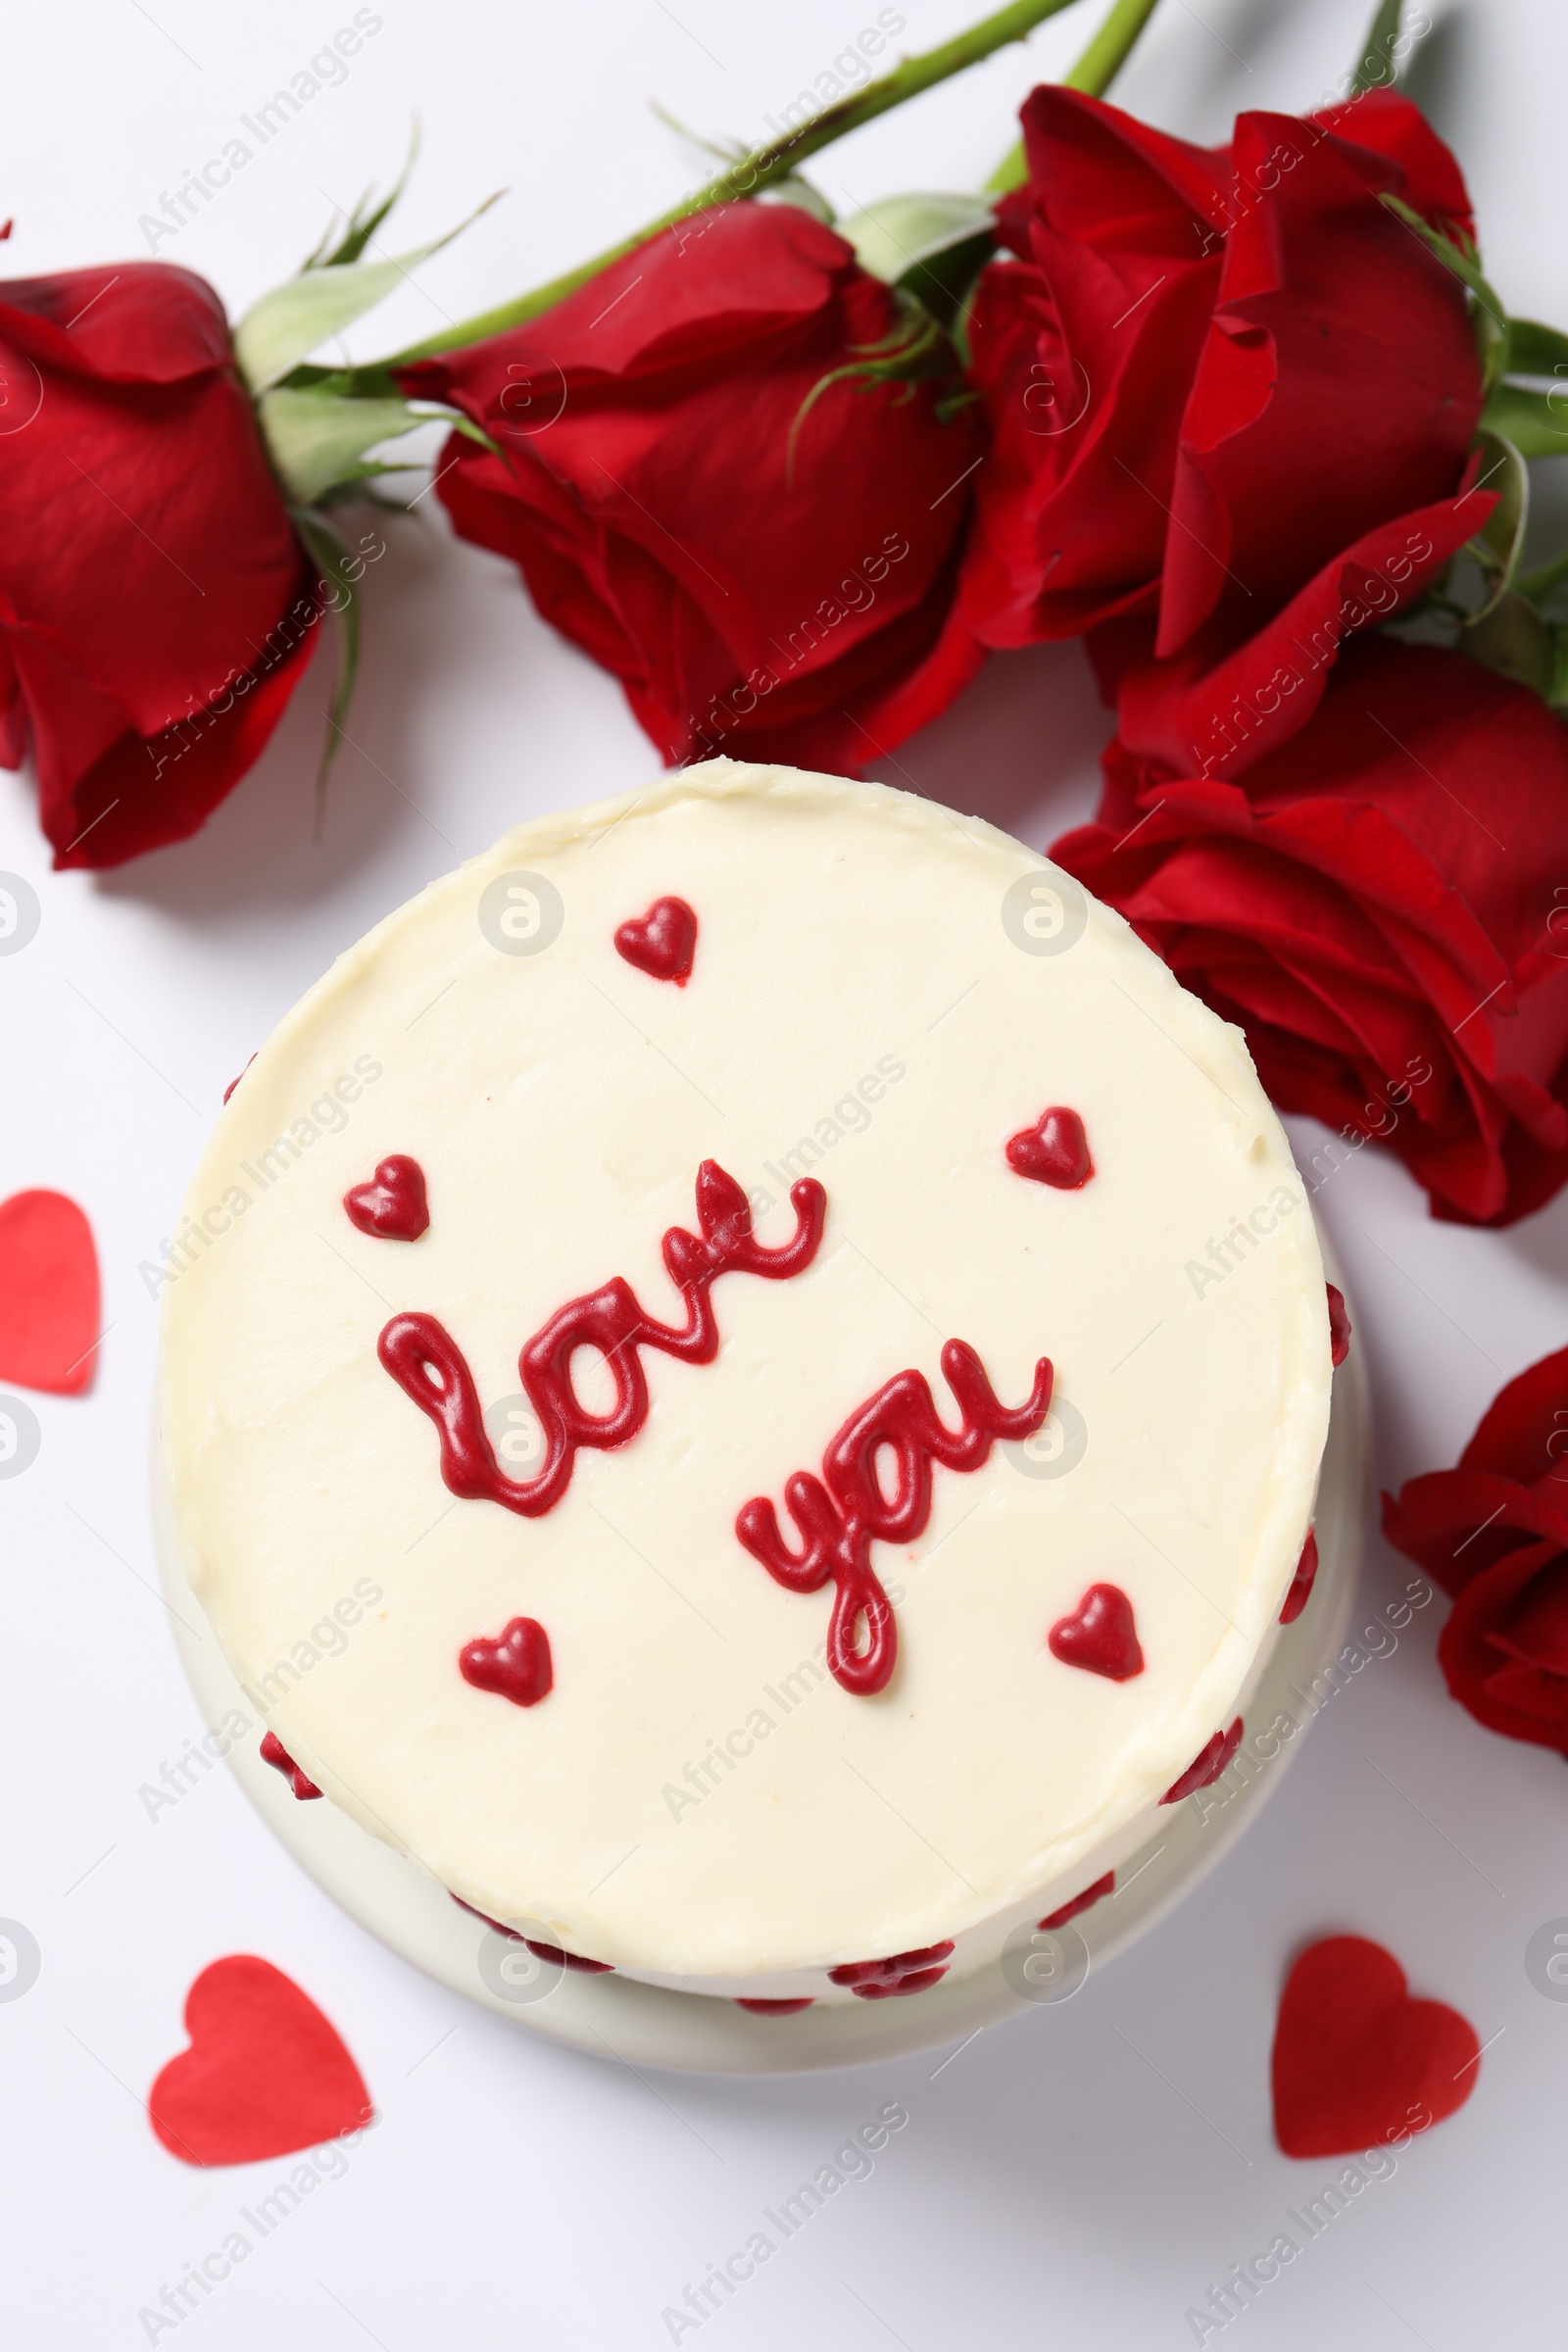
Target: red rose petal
x: 265, y: 2073
x: 49, y: 1300
x: 1357, y: 2061
x: 1101, y: 1635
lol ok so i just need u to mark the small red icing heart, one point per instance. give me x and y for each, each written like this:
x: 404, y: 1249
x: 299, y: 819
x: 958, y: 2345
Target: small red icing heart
x: 662, y: 942
x: 1054, y: 1150
x: 1207, y: 1765
x: 1357, y: 2061
x: 901, y: 1973
x: 1099, y: 1636
x: 265, y: 2073
x: 393, y: 1206
x: 1339, y: 1328
x: 273, y: 1752
x: 761, y: 2008
x: 1081, y: 1902
x: 516, y: 1665
x: 1301, y: 1583
x: 48, y: 1294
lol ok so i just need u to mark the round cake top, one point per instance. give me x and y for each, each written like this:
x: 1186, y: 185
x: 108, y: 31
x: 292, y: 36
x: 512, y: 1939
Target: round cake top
x: 744, y: 1377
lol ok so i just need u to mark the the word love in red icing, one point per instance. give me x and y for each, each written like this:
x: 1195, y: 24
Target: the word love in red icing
x: 842, y: 1513
x: 662, y: 942
x: 430, y: 1368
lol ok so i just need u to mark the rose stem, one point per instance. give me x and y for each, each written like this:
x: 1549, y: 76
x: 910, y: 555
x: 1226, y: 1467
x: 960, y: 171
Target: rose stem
x: 1094, y: 71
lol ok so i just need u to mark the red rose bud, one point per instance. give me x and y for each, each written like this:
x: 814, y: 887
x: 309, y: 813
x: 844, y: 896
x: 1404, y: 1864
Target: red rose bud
x: 1372, y: 899
x: 1210, y: 371
x: 157, y: 608
x: 763, y: 557
x: 1494, y: 1535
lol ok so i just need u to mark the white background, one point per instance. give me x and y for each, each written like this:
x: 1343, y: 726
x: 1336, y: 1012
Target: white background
x: 1075, y: 2179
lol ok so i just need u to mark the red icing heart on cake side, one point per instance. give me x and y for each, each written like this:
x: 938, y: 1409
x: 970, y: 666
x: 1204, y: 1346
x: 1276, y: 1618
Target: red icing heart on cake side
x: 1301, y: 1583
x: 662, y: 942
x: 1356, y: 2060
x: 1054, y: 1150
x: 1099, y: 1636
x: 393, y: 1207
x: 1206, y: 1766
x: 516, y: 1666
x: 889, y: 1979
x: 273, y: 1752
x: 48, y: 1294
x: 265, y: 2073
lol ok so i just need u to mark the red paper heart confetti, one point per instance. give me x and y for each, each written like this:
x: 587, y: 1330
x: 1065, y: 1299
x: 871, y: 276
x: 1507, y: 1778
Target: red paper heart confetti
x: 1099, y: 1636
x: 393, y: 1207
x: 1080, y: 1902
x: 1054, y: 1150
x: 1357, y: 2061
x: 265, y: 2073
x: 516, y: 1666
x: 49, y: 1296
x: 273, y: 1752
x: 1207, y: 1765
x: 1301, y: 1583
x: 662, y: 942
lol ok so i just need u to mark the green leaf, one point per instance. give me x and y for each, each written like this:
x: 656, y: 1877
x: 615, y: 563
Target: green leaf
x: 286, y: 325
x: 1543, y: 584
x: 1498, y: 544
x: 316, y: 439
x: 902, y: 232
x: 1513, y: 640
x: 1375, y: 66
x: 1536, y: 422
x: 329, y: 553
x: 1535, y: 350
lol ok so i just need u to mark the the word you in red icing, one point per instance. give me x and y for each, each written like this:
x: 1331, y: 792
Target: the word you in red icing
x: 516, y: 1666
x: 887, y: 1980
x: 842, y: 1513
x: 1080, y: 1902
x: 430, y: 1367
x: 662, y: 942
x: 273, y: 1752
x: 1206, y: 1766
x: 1339, y: 1328
x: 1301, y: 1583
x: 1054, y: 1150
x: 1099, y: 1636
x: 393, y: 1206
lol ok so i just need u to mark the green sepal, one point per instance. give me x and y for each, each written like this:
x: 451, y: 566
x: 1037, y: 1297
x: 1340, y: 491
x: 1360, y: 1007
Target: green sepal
x: 1536, y: 422
x: 329, y: 552
x: 1498, y: 543
x: 1488, y: 319
x: 362, y: 222
x: 1375, y: 66
x: 1533, y: 349
x: 316, y: 439
x: 1514, y: 640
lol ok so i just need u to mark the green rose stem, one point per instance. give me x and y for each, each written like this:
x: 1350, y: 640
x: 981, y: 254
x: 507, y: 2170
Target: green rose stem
x: 1094, y: 71
x: 766, y: 166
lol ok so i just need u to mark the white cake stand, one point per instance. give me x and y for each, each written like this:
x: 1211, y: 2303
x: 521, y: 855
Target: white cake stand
x: 614, y: 2016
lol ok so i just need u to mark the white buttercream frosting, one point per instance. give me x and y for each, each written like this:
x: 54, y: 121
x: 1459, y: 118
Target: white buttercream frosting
x: 882, y: 994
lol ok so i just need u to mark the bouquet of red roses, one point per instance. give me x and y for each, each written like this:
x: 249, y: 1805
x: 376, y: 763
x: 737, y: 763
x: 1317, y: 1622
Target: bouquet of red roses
x: 1249, y: 419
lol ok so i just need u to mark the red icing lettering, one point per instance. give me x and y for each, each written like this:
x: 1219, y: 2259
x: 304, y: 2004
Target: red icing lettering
x: 1054, y: 1150
x: 1301, y: 1583
x: 1080, y: 1902
x: 430, y: 1367
x: 841, y: 1514
x: 662, y: 942
x: 1207, y: 1765
x: 516, y: 1666
x: 888, y: 1980
x: 1339, y: 1328
x: 1099, y: 1636
x: 234, y: 1082
x: 273, y: 1752
x: 392, y: 1207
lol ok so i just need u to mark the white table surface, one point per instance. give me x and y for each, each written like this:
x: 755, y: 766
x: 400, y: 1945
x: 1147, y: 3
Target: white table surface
x: 1075, y: 2179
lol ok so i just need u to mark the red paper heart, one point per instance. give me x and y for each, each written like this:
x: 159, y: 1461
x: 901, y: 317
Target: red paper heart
x: 1357, y: 2061
x: 1207, y: 1765
x: 662, y: 942
x: 1301, y: 1583
x: 1054, y: 1150
x: 516, y: 1666
x: 265, y: 2073
x: 48, y: 1294
x: 1099, y: 1636
x: 393, y: 1207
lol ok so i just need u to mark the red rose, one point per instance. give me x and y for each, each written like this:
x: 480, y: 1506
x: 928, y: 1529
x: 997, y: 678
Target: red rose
x: 1210, y: 372
x: 155, y: 605
x: 1494, y: 1535
x: 1375, y: 897
x: 763, y: 578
